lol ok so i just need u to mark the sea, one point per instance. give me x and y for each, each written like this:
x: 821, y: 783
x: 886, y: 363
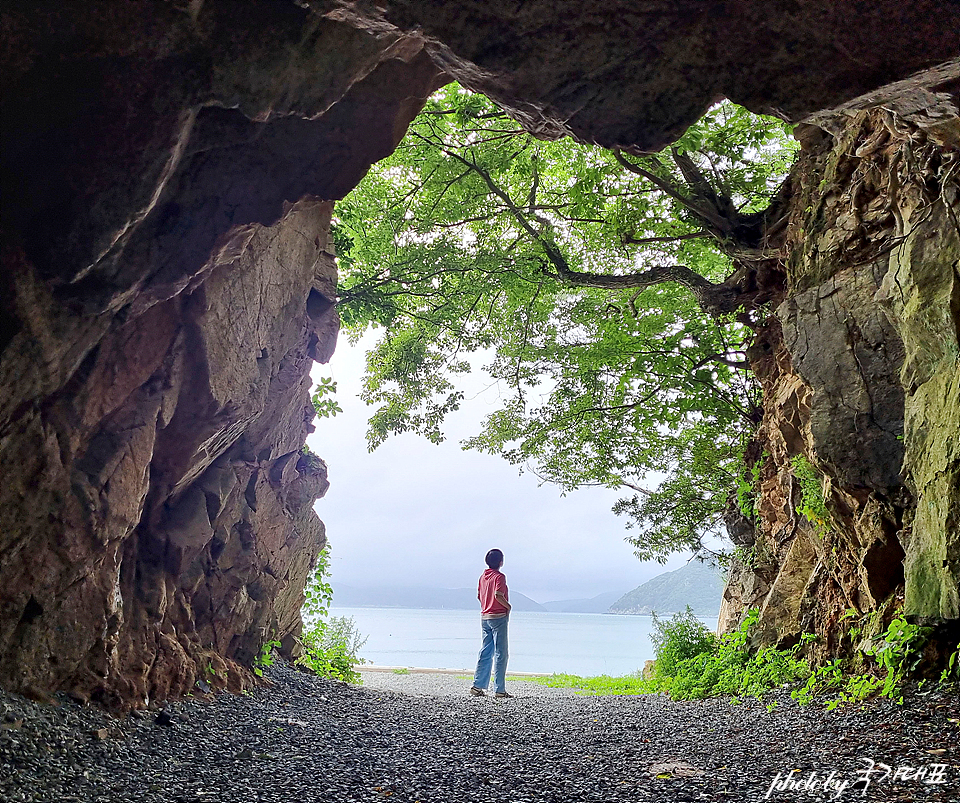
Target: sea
x: 585, y: 644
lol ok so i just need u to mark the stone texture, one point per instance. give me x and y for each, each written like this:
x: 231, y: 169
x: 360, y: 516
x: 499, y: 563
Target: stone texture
x: 848, y: 354
x: 161, y: 530
x: 167, y: 285
x: 929, y: 99
x: 922, y: 293
x: 863, y: 384
x: 636, y: 74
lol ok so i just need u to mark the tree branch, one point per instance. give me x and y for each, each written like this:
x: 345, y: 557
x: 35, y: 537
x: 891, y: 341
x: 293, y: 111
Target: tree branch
x: 714, y: 222
x: 523, y: 343
x: 723, y: 360
x: 635, y: 487
x: 715, y: 299
x: 704, y: 191
x: 629, y: 239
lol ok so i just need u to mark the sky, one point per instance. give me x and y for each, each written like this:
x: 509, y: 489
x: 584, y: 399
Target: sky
x: 415, y: 514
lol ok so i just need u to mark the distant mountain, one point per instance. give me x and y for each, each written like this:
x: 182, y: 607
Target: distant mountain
x: 431, y: 598
x: 697, y: 584
x: 597, y: 604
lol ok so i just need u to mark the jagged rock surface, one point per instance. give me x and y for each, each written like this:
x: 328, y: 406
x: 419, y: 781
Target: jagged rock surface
x: 636, y: 74
x: 860, y: 379
x: 168, y: 177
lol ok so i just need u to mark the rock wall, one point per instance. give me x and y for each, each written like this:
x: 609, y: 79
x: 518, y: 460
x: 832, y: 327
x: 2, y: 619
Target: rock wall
x: 167, y: 173
x: 170, y: 528
x: 167, y: 284
x: 859, y: 369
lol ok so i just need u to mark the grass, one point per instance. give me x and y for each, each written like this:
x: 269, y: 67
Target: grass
x: 599, y: 685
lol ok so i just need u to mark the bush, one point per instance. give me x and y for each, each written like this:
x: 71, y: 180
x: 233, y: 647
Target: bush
x: 691, y: 663
x: 330, y: 646
x: 679, y: 639
x: 698, y: 665
x: 882, y: 667
x: 330, y: 649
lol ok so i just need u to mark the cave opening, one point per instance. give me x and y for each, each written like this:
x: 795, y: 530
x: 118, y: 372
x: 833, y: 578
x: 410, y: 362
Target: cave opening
x: 169, y: 278
x: 431, y: 254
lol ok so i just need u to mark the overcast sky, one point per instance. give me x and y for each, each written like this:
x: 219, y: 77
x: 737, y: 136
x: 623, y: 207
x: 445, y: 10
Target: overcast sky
x: 415, y: 514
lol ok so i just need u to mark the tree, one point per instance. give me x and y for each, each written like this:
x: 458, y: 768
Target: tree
x: 614, y: 291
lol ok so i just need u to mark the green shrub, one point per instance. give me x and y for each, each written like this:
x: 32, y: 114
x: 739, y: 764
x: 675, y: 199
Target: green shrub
x: 899, y: 653
x: 883, y: 667
x: 724, y: 666
x: 693, y: 664
x: 330, y: 649
x: 679, y: 639
x: 265, y: 658
x: 330, y: 645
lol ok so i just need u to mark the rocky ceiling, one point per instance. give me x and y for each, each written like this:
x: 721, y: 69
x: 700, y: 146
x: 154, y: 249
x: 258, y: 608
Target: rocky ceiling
x: 636, y: 74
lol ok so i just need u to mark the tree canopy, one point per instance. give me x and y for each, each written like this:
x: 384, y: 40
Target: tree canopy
x: 612, y: 294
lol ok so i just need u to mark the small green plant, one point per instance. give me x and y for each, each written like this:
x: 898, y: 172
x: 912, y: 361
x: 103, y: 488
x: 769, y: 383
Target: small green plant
x: 745, y: 556
x: 265, y: 658
x: 812, y: 505
x: 886, y: 665
x: 951, y: 672
x: 829, y: 676
x: 323, y: 403
x: 401, y: 670
x: 899, y: 653
x: 318, y: 593
x: 331, y: 647
x: 747, y: 488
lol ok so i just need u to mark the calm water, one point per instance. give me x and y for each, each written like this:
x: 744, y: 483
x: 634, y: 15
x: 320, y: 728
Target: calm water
x: 575, y: 643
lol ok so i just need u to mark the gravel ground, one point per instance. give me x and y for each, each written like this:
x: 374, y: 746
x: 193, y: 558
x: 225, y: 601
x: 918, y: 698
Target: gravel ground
x: 448, y: 684
x: 305, y: 740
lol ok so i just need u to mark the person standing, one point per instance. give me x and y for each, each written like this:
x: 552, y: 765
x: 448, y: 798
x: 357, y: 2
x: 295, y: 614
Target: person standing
x: 494, y: 615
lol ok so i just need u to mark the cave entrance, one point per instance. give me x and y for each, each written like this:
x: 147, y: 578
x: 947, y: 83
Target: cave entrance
x: 587, y: 312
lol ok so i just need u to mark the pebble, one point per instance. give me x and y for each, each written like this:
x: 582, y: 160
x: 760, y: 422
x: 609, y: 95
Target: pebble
x: 420, y: 738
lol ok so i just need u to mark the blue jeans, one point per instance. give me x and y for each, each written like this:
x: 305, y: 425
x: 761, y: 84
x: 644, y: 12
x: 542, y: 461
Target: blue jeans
x: 493, y: 650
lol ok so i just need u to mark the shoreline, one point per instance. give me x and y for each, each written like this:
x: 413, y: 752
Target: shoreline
x: 662, y: 614
x: 422, y: 670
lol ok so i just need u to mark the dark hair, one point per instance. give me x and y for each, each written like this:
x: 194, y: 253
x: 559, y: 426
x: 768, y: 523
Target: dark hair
x: 494, y: 558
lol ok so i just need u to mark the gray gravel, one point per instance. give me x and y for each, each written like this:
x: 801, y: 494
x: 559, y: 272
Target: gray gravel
x: 448, y: 684
x: 306, y: 740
